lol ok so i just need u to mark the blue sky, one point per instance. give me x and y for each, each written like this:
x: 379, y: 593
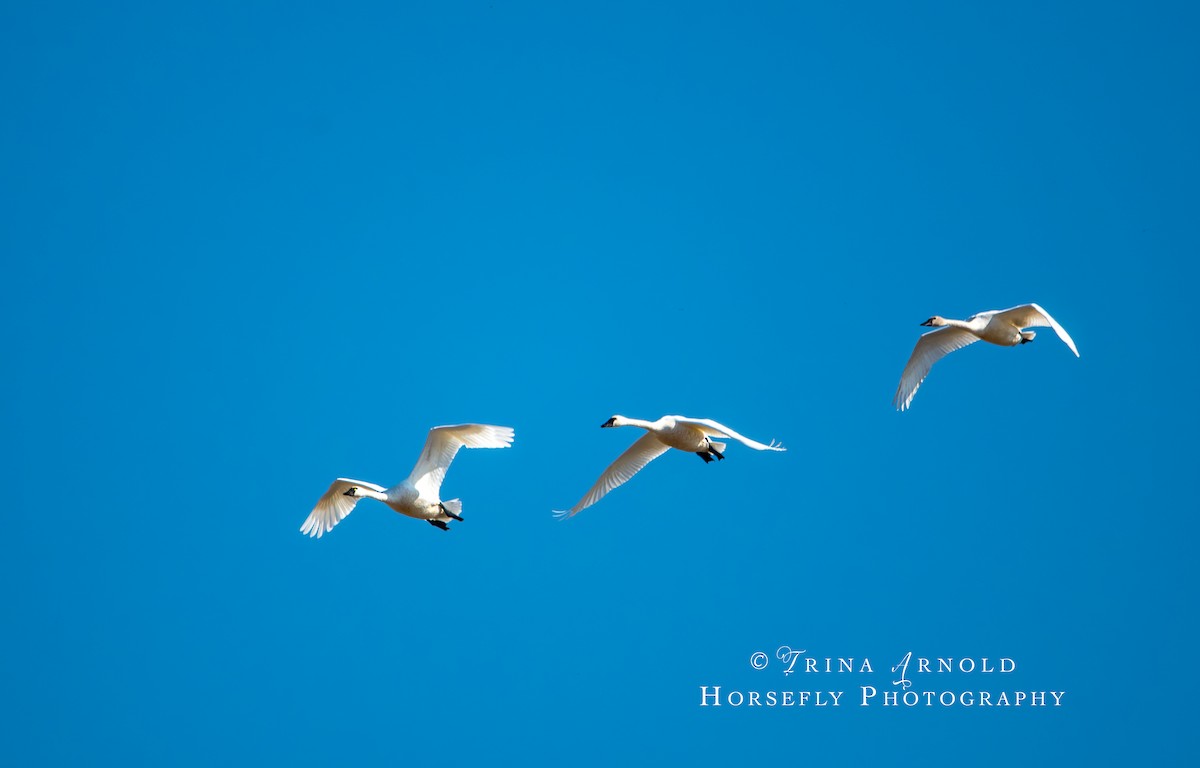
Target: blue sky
x: 251, y: 249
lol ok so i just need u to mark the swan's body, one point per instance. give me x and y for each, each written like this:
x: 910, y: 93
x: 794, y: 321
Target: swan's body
x: 680, y: 432
x: 1003, y: 327
x: 418, y: 496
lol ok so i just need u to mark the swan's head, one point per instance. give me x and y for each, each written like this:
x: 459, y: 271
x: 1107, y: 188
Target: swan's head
x: 615, y: 421
x: 936, y: 320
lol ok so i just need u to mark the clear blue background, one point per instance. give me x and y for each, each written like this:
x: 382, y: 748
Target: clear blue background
x: 248, y: 249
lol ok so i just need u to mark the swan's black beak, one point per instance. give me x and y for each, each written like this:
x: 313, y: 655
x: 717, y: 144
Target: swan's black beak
x: 928, y: 323
x: 349, y: 492
x: 608, y: 423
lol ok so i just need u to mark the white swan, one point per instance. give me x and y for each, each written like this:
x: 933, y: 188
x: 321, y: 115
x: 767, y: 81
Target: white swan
x: 691, y: 435
x: 418, y: 495
x: 1003, y: 327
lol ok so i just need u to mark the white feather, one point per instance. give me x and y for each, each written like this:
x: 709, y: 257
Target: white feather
x: 679, y: 432
x: 417, y: 496
x: 1000, y: 327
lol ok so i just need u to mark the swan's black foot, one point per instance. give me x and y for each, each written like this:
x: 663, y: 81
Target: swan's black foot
x: 720, y: 456
x: 704, y: 455
x: 439, y: 524
x: 442, y: 507
x: 1026, y: 341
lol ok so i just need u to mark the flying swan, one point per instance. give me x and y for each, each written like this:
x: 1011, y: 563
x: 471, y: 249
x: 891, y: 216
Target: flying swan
x: 691, y: 435
x: 418, y: 495
x: 1002, y: 327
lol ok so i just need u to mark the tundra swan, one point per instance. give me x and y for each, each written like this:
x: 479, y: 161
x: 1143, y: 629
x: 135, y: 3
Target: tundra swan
x: 418, y: 495
x: 1002, y: 327
x: 691, y: 435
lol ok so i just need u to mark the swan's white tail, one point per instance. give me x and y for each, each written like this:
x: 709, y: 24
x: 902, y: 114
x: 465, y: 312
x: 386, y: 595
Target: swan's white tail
x: 1028, y: 335
x: 453, y: 506
x: 718, y: 447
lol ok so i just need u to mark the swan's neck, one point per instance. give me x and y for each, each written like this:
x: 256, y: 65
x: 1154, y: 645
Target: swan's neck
x: 966, y: 325
x: 636, y: 423
x: 370, y: 494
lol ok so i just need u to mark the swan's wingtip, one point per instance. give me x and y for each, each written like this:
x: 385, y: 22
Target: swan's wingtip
x: 501, y: 437
x: 562, y: 514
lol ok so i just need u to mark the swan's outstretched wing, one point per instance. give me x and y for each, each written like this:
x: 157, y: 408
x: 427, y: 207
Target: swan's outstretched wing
x: 645, y: 450
x: 441, y: 446
x: 710, y: 427
x: 334, y: 506
x: 931, y: 347
x: 1033, y: 316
